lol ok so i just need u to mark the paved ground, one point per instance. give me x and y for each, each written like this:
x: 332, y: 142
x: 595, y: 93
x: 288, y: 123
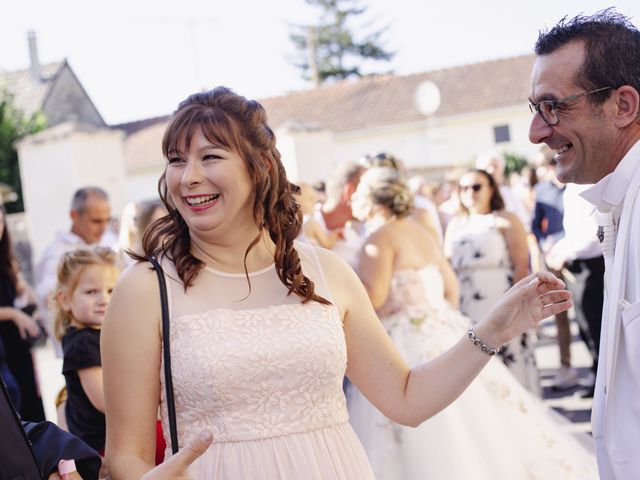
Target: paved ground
x: 568, y: 402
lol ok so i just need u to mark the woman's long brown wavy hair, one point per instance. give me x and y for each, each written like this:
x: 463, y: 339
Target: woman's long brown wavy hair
x: 239, y: 125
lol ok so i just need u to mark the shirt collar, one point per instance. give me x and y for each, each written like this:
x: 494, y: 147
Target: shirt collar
x: 71, y: 238
x: 609, y: 192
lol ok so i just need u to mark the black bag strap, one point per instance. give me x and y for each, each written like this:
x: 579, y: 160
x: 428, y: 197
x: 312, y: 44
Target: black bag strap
x: 168, y: 379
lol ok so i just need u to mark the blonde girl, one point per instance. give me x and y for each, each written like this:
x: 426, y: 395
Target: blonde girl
x: 85, y: 281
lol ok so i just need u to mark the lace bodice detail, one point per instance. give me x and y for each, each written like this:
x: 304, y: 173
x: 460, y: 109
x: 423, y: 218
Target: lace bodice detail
x: 253, y: 374
x: 259, y: 372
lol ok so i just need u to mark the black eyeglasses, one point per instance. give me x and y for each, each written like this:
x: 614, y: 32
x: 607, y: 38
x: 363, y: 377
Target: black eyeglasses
x: 548, y: 109
x: 476, y: 187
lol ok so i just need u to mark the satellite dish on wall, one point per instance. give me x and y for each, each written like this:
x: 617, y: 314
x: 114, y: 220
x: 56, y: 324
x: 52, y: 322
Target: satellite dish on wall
x: 427, y: 98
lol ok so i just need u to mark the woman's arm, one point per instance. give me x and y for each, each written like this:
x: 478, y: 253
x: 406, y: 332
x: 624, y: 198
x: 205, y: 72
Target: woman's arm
x: 448, y: 237
x: 516, y: 239
x: 91, y: 381
x: 175, y: 468
x: 130, y: 346
x: 410, y: 396
x: 26, y: 325
x: 451, y: 287
x: 375, y: 266
x: 324, y: 238
x: 23, y: 288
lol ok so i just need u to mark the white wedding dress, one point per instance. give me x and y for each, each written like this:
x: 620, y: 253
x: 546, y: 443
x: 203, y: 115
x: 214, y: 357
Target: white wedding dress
x: 496, y: 430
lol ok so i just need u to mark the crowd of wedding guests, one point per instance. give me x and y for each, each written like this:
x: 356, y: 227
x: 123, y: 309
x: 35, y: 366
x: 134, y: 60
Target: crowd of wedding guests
x: 480, y: 232
x: 262, y: 372
x: 488, y: 231
x: 493, y: 230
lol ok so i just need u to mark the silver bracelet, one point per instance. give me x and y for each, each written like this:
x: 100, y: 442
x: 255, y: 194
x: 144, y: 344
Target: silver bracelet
x: 479, y: 343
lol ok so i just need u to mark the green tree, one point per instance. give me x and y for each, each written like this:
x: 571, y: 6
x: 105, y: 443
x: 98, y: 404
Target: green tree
x: 332, y: 49
x: 514, y: 163
x: 14, y: 126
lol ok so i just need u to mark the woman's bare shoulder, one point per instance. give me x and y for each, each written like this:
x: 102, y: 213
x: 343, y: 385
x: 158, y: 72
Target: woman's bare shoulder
x: 139, y: 279
x: 331, y: 262
x: 135, y: 295
x: 385, y: 234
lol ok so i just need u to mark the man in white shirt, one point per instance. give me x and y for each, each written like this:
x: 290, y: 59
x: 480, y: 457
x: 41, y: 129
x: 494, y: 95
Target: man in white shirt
x: 585, y: 97
x: 90, y: 215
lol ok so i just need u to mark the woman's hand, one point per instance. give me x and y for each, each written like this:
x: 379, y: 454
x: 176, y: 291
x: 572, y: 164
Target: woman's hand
x: 27, y: 326
x: 70, y: 476
x: 533, y: 298
x: 66, y: 471
x: 175, y: 468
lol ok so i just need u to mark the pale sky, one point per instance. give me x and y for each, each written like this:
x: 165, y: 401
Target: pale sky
x: 140, y: 58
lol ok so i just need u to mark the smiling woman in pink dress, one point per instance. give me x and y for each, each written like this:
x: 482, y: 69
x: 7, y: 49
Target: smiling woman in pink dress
x: 264, y: 328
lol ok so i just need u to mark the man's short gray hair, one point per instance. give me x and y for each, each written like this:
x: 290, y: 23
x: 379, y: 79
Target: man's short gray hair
x: 79, y: 201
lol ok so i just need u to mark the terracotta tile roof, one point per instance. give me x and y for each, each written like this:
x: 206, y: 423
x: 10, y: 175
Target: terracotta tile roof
x: 369, y: 102
x: 389, y: 99
x: 29, y: 94
x: 130, y: 128
x: 143, y: 146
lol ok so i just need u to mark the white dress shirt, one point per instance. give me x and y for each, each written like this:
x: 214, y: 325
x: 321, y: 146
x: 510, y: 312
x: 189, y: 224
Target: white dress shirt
x: 579, y: 241
x: 616, y: 409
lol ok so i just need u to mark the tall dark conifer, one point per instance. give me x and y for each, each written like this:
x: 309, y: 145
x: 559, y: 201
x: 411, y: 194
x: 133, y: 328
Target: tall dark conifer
x: 338, y: 47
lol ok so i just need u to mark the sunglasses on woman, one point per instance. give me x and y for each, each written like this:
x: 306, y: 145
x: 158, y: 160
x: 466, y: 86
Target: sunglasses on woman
x: 476, y: 187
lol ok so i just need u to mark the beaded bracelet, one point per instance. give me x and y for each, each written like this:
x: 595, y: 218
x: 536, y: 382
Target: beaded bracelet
x: 479, y: 343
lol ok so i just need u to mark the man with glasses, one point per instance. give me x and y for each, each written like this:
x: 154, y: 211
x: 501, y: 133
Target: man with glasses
x: 585, y: 97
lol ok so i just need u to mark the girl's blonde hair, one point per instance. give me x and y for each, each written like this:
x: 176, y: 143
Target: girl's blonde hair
x: 69, y: 269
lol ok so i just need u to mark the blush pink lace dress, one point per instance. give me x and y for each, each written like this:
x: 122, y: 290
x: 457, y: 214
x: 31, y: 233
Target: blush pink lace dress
x: 263, y: 372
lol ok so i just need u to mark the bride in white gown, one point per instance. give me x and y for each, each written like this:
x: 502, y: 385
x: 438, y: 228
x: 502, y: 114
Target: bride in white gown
x: 496, y: 429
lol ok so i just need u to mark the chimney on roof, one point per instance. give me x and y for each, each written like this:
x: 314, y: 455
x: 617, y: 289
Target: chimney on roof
x: 36, y: 72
